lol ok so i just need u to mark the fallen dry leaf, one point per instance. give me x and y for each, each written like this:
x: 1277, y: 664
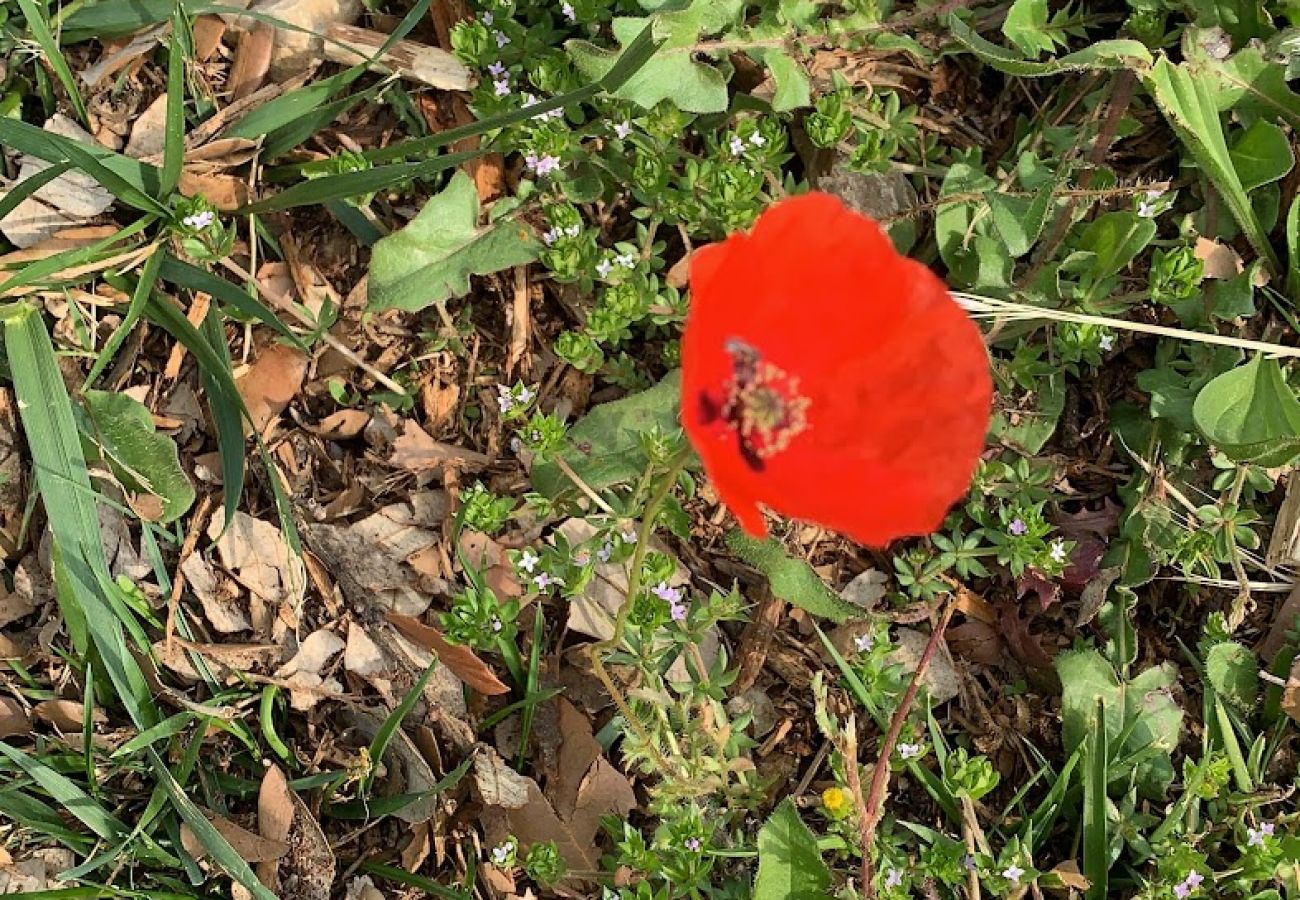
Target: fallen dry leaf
x: 1220, y: 260
x: 304, y: 669
x: 461, y: 660
x: 13, y: 719
x: 300, y: 48
x: 252, y: 61
x: 365, y: 659
x: 65, y: 715
x: 680, y: 274
x: 415, y: 451
x: 941, y: 679
x: 256, y: 554
x: 252, y: 848
x: 363, y: 888
x: 307, y: 871
x: 342, y: 425
x: 222, y: 600
x: 271, y: 382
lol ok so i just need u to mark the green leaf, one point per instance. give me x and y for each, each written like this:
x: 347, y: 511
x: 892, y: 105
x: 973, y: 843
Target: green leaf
x: 1020, y: 220
x: 1261, y: 155
x: 1190, y: 105
x: 1096, y: 836
x: 430, y: 260
x: 1115, y: 239
x: 1233, y: 672
x: 1100, y: 57
x: 1140, y: 710
x: 672, y: 73
x: 790, y: 866
x: 1293, y: 247
x: 792, y: 580
x: 53, y: 53
x: 1249, y: 82
x: 67, y: 794
x: 1026, y: 27
x: 141, y: 458
x: 604, y: 447
x: 793, y: 90
x: 1036, y: 427
x: 1251, y: 414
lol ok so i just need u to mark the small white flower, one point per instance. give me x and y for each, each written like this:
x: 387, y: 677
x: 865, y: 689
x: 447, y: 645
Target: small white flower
x: 526, y: 395
x: 603, y: 268
x: 1255, y: 836
x: 893, y: 878
x: 502, y: 39
x: 487, y: 18
x: 567, y: 9
x: 863, y: 643
x: 551, y: 236
x: 528, y: 560
x: 909, y: 751
x: 1106, y: 342
x: 543, y: 580
x: 757, y: 139
x: 1155, y: 195
x: 737, y: 146
x: 605, y: 552
x: 623, y: 129
x: 1147, y: 209
x: 628, y: 535
x: 1012, y: 873
x: 496, y: 624
x: 1057, y: 550
x: 199, y: 220
x: 501, y: 853
x: 626, y: 260
x: 505, y: 398
x: 573, y: 230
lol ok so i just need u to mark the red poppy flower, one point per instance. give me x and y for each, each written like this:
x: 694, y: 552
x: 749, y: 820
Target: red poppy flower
x: 829, y: 378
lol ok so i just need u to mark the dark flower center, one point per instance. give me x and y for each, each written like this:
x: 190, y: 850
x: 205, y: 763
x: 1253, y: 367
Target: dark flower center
x: 761, y: 403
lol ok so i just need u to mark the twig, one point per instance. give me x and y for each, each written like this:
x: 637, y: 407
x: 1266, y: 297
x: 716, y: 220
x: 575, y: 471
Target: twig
x: 563, y: 466
x: 285, y: 303
x: 880, y: 775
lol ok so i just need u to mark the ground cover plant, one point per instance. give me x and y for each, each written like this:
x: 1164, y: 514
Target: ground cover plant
x: 391, y: 393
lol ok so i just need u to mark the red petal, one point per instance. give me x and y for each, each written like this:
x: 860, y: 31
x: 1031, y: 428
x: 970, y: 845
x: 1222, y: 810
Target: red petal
x: 895, y: 373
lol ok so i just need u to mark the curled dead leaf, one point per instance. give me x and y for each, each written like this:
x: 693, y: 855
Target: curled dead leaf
x: 1220, y: 260
x: 415, y: 451
x: 461, y: 660
x: 252, y: 848
x: 307, y: 871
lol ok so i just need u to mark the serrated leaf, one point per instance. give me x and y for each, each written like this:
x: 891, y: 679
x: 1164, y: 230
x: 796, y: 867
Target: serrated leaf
x: 790, y: 867
x: 1190, y: 105
x: 604, y: 447
x: 1261, y: 155
x: 1101, y: 56
x: 430, y: 260
x: 140, y: 457
x: 792, y: 580
x: 1250, y: 82
x: 1026, y: 27
x: 1233, y: 672
x: 1251, y: 414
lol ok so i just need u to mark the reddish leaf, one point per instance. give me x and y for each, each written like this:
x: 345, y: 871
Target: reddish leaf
x: 461, y: 660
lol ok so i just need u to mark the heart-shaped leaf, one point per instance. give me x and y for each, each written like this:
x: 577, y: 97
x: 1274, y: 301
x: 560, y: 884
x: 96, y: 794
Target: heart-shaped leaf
x: 1251, y: 414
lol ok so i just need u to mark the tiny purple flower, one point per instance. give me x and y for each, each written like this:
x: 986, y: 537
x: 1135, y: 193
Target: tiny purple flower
x: 1017, y: 527
x: 1189, y: 884
x: 622, y: 130
x: 1012, y: 873
x: 501, y: 88
x: 487, y: 18
x: 863, y: 643
x: 505, y: 398
x: 605, y: 552
x: 737, y: 146
x: 893, y: 878
x: 969, y: 863
x: 502, y: 39
x: 693, y: 845
x: 1256, y: 835
x: 543, y: 580
x: 678, y: 611
x: 542, y: 165
x: 497, y: 69
x: 496, y: 624
x: 664, y: 591
x: 551, y: 236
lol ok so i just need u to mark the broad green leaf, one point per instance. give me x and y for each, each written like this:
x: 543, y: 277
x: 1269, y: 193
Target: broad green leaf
x: 1026, y: 27
x: 672, y: 73
x: 430, y: 260
x: 792, y: 87
x: 1140, y: 710
x: 1115, y: 239
x: 792, y: 580
x: 1251, y: 414
x: 1233, y: 672
x: 141, y: 458
x: 1190, y: 105
x: 1261, y: 155
x: 604, y: 447
x: 1101, y: 56
x: 1250, y: 82
x: 790, y: 867
x: 1293, y: 248
x: 1020, y: 220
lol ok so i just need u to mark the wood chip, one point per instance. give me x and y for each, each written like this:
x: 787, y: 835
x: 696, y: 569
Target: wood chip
x: 348, y: 45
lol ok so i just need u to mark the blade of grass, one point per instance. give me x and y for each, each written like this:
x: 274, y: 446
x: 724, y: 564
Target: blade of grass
x: 28, y: 186
x: 41, y: 269
x: 174, y: 126
x: 384, y: 735
x: 40, y: 30
x: 354, y: 184
x: 182, y: 274
x: 88, y: 597
x: 139, y: 300
x: 1096, y: 839
x: 401, y: 876
x: 25, y: 138
x: 41, y: 818
x: 63, y: 791
x: 219, y: 849
x: 115, y: 184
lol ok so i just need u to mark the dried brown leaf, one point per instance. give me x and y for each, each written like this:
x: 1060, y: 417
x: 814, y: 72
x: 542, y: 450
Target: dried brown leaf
x: 272, y: 381
x: 461, y: 660
x: 252, y: 61
x: 13, y: 719
x: 252, y: 848
x: 1221, y: 261
x: 415, y: 451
